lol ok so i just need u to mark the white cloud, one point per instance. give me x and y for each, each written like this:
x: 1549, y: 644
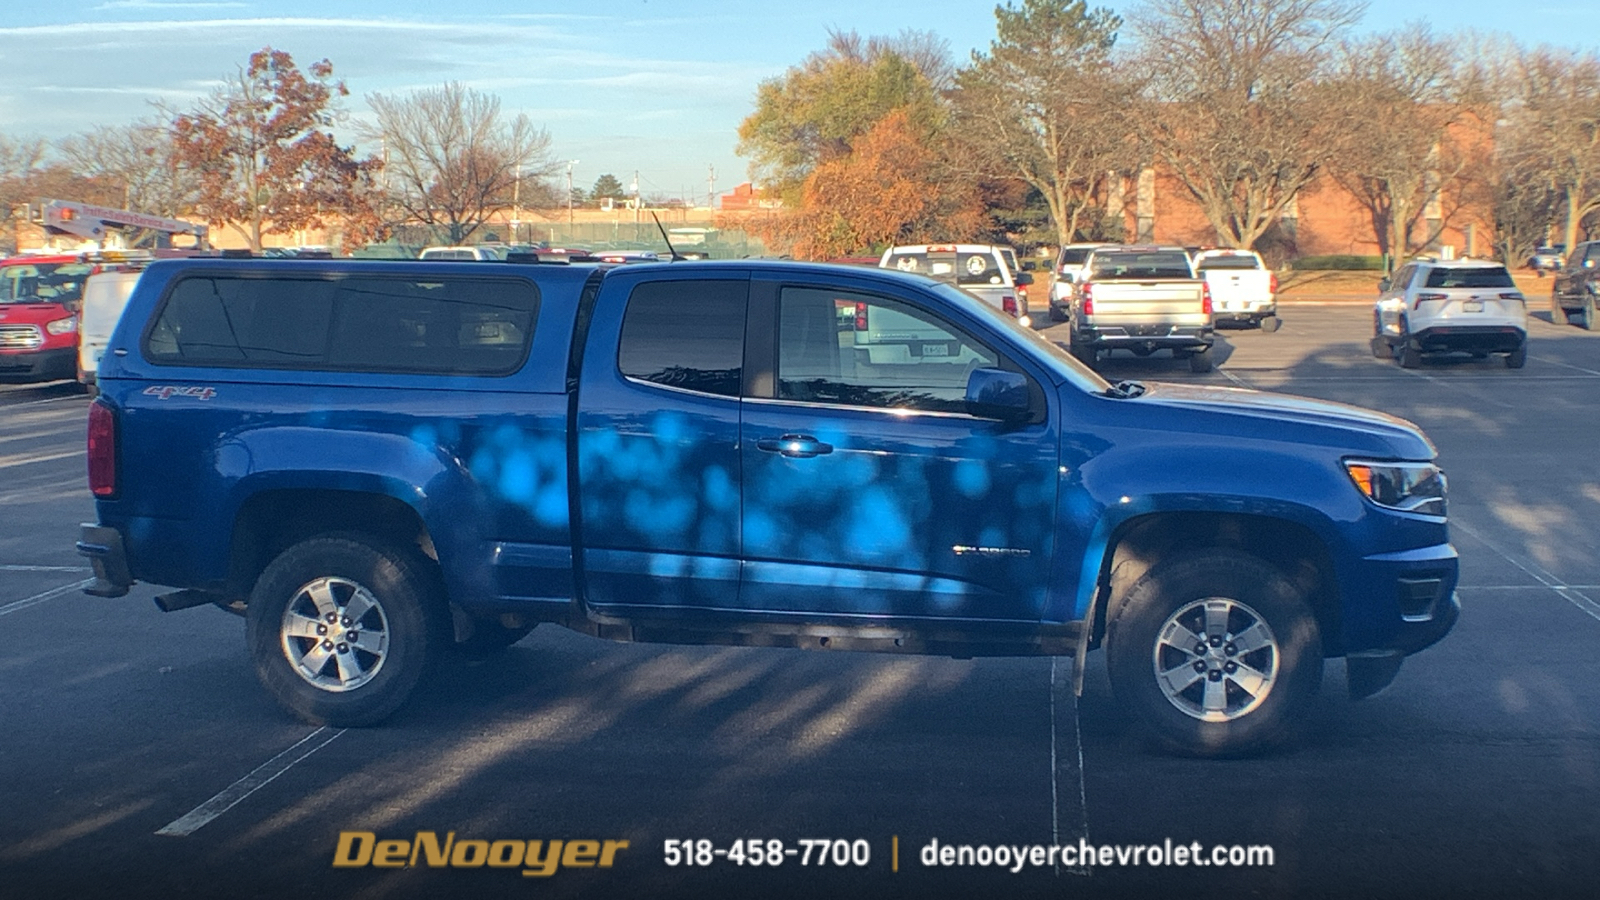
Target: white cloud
x: 164, y: 4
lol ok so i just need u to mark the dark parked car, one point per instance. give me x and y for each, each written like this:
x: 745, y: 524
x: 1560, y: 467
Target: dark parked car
x: 1572, y: 297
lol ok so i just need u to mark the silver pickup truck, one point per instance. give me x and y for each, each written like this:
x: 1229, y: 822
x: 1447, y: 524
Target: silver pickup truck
x: 1142, y: 299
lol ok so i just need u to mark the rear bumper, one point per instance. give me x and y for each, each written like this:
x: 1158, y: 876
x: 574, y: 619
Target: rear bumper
x: 1146, y: 336
x: 104, y: 549
x: 1478, y: 338
x: 1245, y: 310
x: 40, y: 364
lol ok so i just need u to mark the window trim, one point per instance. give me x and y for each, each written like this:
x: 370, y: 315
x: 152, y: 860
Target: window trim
x: 289, y: 366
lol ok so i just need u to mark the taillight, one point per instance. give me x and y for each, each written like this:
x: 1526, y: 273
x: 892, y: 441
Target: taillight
x: 1417, y: 303
x: 1205, y: 299
x: 1272, y: 284
x: 1087, y: 292
x: 102, y: 449
x: 1009, y: 304
x: 861, y: 317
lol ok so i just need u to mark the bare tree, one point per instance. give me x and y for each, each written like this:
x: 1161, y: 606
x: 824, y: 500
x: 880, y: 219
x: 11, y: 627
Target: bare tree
x: 139, y: 160
x: 1425, y: 133
x: 21, y: 160
x: 1553, y: 132
x: 1237, y: 112
x: 1047, y: 106
x: 452, y: 161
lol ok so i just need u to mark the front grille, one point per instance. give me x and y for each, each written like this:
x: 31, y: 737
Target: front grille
x: 21, y: 337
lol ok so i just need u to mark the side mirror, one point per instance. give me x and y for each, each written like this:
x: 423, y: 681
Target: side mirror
x: 997, y: 394
x: 1024, y: 278
x: 1384, y: 284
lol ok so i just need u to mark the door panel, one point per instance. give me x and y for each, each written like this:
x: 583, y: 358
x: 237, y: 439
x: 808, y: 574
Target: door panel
x: 867, y: 493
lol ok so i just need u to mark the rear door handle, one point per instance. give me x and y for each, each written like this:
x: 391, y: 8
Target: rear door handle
x: 794, y: 446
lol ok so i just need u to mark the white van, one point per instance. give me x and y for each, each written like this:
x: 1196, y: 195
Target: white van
x: 104, y: 296
x: 473, y: 253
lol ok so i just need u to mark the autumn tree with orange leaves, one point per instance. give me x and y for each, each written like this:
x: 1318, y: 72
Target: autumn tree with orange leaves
x: 263, y: 159
x: 887, y: 190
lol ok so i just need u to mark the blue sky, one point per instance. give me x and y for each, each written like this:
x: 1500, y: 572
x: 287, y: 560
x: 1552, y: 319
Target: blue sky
x: 657, y: 86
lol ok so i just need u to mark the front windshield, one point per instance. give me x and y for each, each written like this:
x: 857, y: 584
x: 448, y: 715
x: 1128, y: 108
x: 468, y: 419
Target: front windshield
x: 1064, y: 363
x: 43, y: 283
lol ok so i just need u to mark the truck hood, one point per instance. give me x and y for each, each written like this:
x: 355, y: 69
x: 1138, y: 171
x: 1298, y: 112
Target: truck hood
x: 1262, y: 409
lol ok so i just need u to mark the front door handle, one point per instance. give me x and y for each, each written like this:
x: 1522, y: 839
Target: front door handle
x: 795, y: 446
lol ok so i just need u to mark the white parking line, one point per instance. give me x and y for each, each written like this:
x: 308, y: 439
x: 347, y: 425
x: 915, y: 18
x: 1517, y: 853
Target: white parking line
x: 1567, y: 592
x: 1230, y: 376
x: 1566, y: 365
x: 23, y: 459
x: 39, y: 598
x: 18, y: 568
x: 1060, y: 692
x: 235, y: 793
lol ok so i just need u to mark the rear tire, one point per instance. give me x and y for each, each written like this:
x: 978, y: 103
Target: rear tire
x: 1584, y: 316
x: 1201, y: 361
x: 1271, y: 324
x: 1517, y: 358
x: 358, y: 667
x: 1260, y: 654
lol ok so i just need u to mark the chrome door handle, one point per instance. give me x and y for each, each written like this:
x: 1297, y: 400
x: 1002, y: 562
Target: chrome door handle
x: 795, y: 446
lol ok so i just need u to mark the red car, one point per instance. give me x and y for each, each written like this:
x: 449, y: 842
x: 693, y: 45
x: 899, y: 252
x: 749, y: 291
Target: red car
x: 39, y: 300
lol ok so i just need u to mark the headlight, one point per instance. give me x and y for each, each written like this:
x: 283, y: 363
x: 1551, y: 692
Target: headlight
x: 62, y: 326
x: 1417, y: 487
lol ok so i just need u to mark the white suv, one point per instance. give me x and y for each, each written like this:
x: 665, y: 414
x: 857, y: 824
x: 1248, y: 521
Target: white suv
x: 1438, y: 306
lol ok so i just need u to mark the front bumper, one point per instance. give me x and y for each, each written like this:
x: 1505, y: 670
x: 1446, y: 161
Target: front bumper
x: 40, y: 364
x: 103, y: 546
x: 1475, y: 338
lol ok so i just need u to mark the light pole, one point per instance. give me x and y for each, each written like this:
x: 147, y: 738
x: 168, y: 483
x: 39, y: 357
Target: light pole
x: 516, y: 206
x: 570, y: 164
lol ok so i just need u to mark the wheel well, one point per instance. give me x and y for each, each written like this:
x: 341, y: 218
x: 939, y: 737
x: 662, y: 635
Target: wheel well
x: 270, y: 522
x: 1291, y: 548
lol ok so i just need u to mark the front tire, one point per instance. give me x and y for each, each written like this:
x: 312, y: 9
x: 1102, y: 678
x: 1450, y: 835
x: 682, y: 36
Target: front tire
x: 1217, y: 652
x: 342, y: 629
x: 1558, y: 314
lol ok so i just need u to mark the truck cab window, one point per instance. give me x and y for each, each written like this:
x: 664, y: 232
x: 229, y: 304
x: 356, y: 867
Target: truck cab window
x: 685, y: 334
x: 853, y: 349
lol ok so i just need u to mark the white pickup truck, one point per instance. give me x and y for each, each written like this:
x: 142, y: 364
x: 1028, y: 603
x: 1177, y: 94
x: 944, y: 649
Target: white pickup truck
x: 1142, y: 299
x: 1243, y: 290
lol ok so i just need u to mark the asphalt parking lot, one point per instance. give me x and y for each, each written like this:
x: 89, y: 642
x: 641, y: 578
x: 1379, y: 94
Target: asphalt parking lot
x: 138, y: 757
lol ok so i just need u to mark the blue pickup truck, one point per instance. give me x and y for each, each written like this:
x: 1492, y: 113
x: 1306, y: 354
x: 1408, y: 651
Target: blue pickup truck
x: 380, y: 463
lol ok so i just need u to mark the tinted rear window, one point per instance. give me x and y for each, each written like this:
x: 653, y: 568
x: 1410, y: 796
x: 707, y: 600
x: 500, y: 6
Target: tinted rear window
x: 1149, y: 264
x: 453, y: 326
x: 1476, y: 277
x: 685, y: 334
x: 968, y: 269
x: 1228, y: 262
x: 1075, y: 257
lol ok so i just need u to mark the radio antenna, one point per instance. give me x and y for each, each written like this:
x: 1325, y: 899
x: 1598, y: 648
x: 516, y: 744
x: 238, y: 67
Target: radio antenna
x: 676, y: 257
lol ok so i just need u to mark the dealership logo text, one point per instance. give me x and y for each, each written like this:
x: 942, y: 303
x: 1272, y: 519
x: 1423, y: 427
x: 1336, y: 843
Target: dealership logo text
x: 536, y: 859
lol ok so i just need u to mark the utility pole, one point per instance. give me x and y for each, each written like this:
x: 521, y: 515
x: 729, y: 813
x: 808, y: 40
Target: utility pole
x: 711, y: 187
x: 637, y: 202
x: 570, y: 164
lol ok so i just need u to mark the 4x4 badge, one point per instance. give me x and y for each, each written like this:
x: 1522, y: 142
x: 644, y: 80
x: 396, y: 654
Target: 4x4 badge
x: 168, y: 391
